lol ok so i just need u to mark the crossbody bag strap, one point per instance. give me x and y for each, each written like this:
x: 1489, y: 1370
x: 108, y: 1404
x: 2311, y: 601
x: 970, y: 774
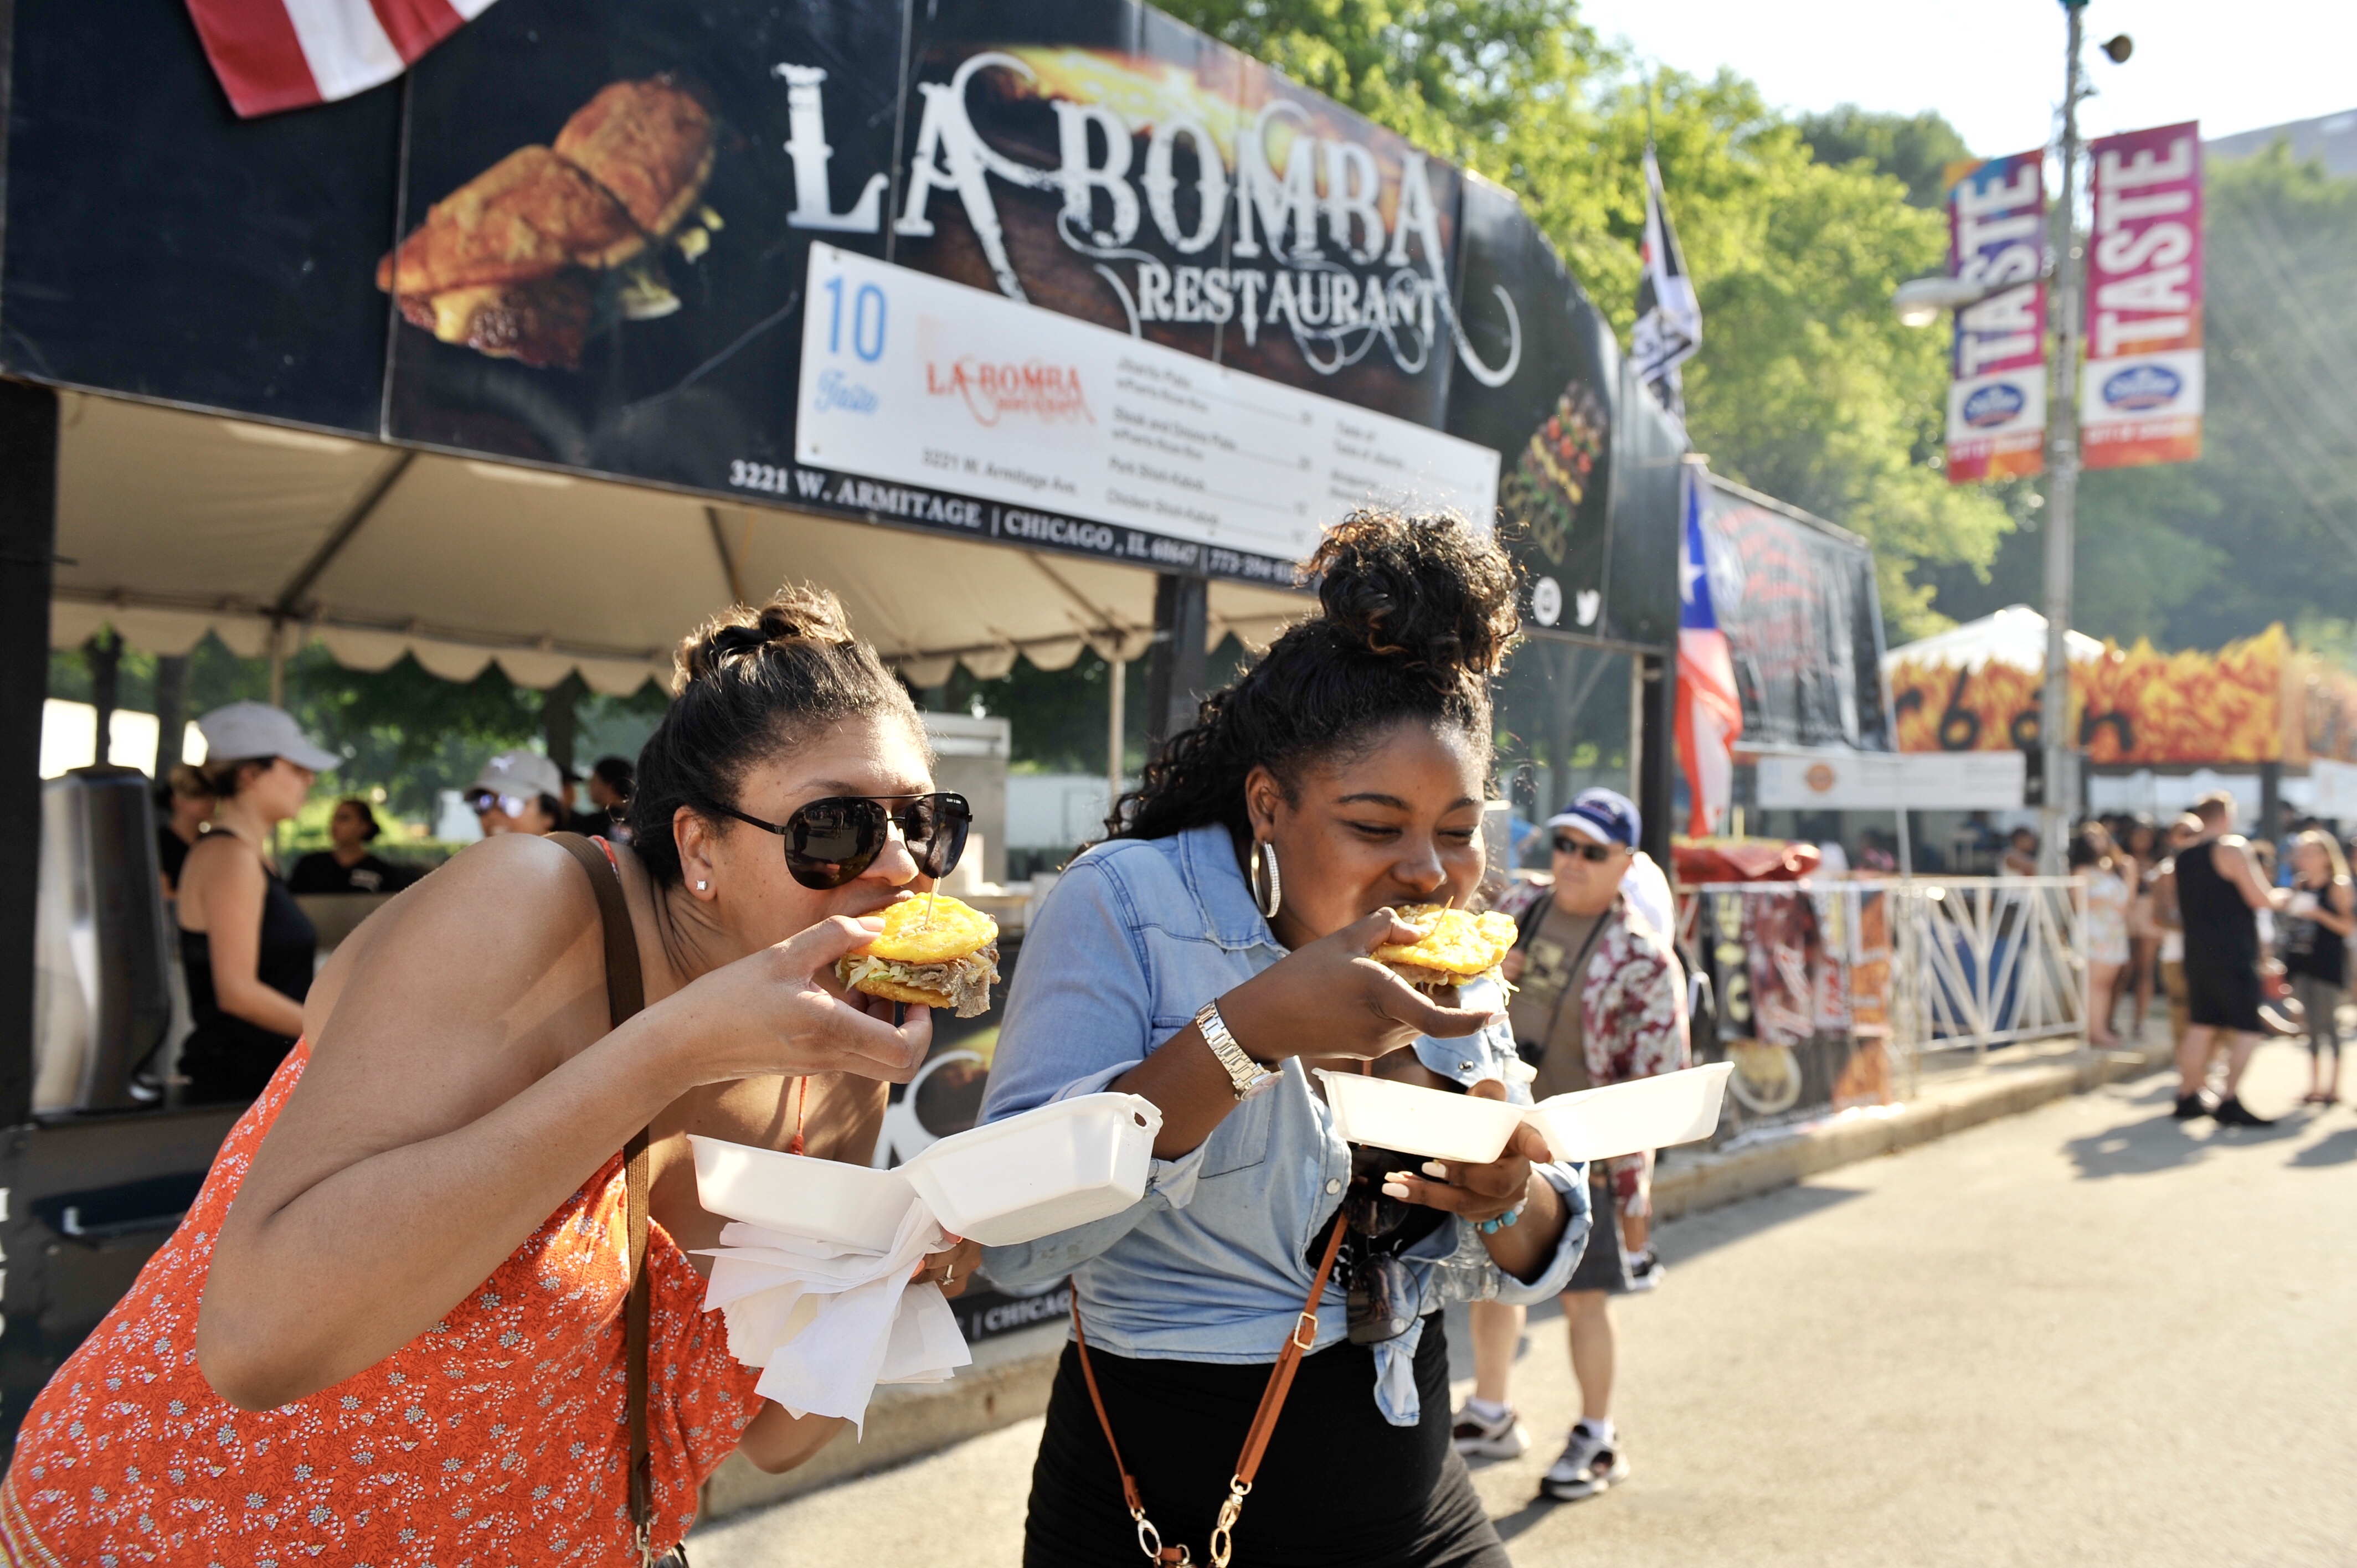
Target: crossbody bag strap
x: 626, y: 994
x: 1263, y: 1423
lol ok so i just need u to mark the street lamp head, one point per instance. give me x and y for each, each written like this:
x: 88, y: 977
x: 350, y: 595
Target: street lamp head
x: 1922, y: 301
x: 2119, y: 47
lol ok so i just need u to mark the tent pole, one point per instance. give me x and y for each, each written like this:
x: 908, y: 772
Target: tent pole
x: 29, y: 543
x: 1116, y: 685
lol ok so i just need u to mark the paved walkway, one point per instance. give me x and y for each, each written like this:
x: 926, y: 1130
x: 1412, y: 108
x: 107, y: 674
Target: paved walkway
x: 2084, y: 1335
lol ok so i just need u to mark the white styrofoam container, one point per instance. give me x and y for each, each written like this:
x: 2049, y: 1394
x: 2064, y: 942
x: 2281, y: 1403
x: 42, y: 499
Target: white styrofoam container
x: 825, y: 1200
x: 1415, y: 1121
x: 1644, y: 1114
x: 1047, y: 1170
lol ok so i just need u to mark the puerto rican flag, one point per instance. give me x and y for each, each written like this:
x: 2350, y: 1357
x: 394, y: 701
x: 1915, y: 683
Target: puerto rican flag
x: 273, y: 55
x: 1710, y: 714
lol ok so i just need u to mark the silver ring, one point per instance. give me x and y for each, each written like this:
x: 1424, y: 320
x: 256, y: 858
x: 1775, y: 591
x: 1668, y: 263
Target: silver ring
x: 949, y: 1273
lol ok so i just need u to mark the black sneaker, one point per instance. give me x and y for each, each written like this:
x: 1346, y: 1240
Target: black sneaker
x: 1647, y: 1273
x: 2232, y: 1112
x: 2190, y: 1107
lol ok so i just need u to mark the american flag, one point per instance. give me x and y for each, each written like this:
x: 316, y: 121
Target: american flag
x: 289, y: 54
x: 1709, y: 713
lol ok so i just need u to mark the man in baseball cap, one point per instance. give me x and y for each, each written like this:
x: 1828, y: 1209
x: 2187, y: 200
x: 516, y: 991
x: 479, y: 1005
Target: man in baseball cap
x: 518, y: 793
x: 1600, y: 999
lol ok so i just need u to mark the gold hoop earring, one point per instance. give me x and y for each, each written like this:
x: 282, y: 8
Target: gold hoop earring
x: 1268, y: 903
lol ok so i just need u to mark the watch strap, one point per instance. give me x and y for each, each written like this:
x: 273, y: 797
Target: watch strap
x: 1246, y: 1076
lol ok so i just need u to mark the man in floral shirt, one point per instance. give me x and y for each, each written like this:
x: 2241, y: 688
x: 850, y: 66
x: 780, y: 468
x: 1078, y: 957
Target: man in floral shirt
x: 1600, y: 999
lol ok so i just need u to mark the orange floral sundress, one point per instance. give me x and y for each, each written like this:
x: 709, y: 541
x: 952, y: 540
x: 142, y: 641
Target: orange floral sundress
x: 496, y: 1437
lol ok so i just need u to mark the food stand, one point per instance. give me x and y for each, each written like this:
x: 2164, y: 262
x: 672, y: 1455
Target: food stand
x: 1025, y: 329
x: 2259, y: 708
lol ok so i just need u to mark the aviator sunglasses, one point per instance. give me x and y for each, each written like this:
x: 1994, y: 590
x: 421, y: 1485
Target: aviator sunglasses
x: 829, y: 843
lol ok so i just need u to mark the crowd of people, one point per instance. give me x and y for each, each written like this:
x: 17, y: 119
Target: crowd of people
x: 2241, y: 944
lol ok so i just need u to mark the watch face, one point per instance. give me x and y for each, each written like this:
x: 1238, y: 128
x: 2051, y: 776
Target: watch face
x: 1261, y: 1085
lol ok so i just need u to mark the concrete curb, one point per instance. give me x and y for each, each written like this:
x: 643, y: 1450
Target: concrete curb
x: 1011, y: 1375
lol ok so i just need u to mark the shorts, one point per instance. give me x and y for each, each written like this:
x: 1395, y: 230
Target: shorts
x: 1603, y: 1266
x: 2223, y: 994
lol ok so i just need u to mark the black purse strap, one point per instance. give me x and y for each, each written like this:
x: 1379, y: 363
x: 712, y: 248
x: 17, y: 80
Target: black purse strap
x: 625, y: 993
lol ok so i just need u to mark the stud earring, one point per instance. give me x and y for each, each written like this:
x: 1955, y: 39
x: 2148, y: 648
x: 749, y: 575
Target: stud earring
x: 702, y: 885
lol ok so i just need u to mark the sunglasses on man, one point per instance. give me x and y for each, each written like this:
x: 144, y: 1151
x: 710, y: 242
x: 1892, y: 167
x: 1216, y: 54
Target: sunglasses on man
x: 1585, y: 849
x: 482, y: 801
x: 830, y: 842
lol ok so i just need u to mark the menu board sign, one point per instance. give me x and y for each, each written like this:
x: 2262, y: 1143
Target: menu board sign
x: 1051, y: 421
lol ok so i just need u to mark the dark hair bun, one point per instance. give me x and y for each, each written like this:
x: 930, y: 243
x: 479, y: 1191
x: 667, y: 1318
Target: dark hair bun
x: 800, y: 612
x: 752, y: 684
x: 1430, y: 592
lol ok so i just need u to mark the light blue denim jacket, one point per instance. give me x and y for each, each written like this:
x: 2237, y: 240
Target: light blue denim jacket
x: 1210, y: 1265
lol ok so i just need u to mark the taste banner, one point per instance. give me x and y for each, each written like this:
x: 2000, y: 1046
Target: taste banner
x: 1996, y: 396
x: 2141, y: 397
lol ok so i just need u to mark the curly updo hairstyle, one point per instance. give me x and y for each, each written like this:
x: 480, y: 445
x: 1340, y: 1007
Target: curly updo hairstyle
x: 1415, y: 617
x: 752, y: 684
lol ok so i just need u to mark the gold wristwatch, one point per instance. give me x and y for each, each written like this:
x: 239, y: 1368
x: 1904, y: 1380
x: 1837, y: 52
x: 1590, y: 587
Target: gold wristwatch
x: 1246, y: 1076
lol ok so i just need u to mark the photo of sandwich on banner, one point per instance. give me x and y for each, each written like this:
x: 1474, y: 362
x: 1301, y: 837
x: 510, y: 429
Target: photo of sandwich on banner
x: 1457, y: 946
x: 935, y: 950
x: 511, y: 263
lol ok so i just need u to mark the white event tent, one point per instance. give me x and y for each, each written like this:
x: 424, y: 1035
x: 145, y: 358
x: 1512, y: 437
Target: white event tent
x: 173, y: 523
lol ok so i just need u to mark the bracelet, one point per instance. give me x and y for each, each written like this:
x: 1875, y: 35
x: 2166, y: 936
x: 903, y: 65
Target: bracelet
x: 1491, y: 1227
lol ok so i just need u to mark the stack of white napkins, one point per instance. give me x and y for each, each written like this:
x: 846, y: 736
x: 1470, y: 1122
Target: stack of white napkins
x: 826, y: 1323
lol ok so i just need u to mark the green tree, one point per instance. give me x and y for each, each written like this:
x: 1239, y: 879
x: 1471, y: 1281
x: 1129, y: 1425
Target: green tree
x: 1915, y: 149
x: 1806, y: 386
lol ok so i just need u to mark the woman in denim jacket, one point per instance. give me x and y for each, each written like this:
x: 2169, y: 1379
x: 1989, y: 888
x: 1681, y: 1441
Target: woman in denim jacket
x: 1205, y: 956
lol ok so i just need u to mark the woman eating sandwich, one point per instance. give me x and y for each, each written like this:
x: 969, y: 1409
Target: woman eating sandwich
x: 1247, y: 919
x: 396, y: 1327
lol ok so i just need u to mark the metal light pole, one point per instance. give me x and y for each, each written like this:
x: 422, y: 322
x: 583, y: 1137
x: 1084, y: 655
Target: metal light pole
x: 2063, y: 484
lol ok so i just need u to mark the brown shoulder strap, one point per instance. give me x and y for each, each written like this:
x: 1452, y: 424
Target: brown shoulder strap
x: 1263, y: 1423
x: 625, y: 993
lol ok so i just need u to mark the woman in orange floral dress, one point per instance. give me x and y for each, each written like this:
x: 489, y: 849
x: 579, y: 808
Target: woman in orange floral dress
x: 390, y: 1329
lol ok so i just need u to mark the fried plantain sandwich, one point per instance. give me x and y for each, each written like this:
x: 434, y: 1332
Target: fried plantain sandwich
x: 1457, y: 946
x: 935, y: 949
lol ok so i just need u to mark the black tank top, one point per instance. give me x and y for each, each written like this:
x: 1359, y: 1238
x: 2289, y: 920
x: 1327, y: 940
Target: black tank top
x: 2311, y: 948
x: 2217, y: 922
x: 225, y: 1058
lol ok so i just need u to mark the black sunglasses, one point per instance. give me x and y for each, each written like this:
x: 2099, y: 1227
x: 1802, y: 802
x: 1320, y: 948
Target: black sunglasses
x: 1587, y: 849
x: 829, y: 843
x: 1378, y: 1288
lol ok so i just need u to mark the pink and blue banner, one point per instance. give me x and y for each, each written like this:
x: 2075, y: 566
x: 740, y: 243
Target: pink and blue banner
x: 2140, y: 400
x: 1996, y: 396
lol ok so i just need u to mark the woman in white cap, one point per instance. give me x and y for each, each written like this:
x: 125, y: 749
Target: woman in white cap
x: 518, y: 793
x: 247, y: 947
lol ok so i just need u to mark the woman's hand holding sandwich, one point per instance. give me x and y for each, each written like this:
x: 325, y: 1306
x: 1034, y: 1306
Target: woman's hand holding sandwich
x: 1326, y: 998
x: 781, y: 1010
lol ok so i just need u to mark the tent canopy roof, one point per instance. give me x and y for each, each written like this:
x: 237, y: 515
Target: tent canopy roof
x: 173, y: 523
x: 2015, y: 635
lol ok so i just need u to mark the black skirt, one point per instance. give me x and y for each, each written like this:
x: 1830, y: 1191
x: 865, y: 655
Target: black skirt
x: 1338, y: 1487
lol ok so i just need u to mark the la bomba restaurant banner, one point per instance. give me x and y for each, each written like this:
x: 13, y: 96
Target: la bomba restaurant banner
x: 1996, y: 392
x: 2141, y: 396
x: 1073, y: 278
x: 2256, y: 700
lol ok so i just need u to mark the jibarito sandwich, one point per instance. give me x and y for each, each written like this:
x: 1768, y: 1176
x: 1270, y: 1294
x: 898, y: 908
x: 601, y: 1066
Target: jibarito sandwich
x: 1457, y: 946
x: 935, y: 949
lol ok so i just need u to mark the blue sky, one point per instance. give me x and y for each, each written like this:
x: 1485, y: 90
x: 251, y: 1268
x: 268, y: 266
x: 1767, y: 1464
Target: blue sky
x: 1995, y: 67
